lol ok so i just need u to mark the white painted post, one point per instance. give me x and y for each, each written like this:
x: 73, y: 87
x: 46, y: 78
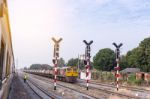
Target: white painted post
x: 117, y: 68
x: 55, y: 60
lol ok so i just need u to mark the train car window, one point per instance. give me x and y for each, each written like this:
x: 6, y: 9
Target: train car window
x: 2, y: 51
x: 8, y: 65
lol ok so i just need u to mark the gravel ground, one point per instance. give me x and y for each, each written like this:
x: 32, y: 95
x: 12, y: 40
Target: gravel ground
x: 65, y: 93
x: 47, y: 83
x: 20, y: 90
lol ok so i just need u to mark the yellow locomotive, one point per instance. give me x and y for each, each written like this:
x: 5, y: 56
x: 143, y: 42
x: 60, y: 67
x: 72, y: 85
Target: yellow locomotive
x: 68, y: 74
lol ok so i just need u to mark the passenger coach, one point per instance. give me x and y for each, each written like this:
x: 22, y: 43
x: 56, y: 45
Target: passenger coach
x: 6, y: 52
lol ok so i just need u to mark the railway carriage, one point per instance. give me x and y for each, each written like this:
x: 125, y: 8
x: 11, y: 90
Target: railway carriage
x: 7, y: 66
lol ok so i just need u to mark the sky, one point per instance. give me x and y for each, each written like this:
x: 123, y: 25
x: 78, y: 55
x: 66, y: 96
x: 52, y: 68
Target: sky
x: 34, y: 22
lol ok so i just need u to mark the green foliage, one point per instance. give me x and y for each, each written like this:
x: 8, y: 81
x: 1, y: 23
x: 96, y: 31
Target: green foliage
x: 76, y: 62
x: 40, y: 66
x: 139, y: 82
x: 123, y: 62
x: 140, y: 57
x: 144, y: 55
x: 132, y: 79
x: 104, y: 60
x: 73, y: 62
x: 81, y: 64
x: 103, y: 76
x: 132, y: 57
x: 61, y: 62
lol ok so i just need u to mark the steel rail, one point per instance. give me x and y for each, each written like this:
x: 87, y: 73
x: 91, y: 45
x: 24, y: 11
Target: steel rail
x: 50, y: 95
x: 103, y: 90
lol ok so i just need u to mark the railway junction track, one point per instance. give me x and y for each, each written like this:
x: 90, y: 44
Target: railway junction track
x: 64, y: 92
x: 41, y: 92
x: 121, y: 86
x: 135, y: 92
x: 96, y: 92
x: 78, y: 90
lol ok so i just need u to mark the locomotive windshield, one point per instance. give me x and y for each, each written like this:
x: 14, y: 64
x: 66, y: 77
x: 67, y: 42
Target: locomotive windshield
x: 74, y: 69
x: 68, y: 69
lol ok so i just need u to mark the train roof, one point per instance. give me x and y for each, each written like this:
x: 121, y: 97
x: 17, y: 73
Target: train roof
x: 66, y: 67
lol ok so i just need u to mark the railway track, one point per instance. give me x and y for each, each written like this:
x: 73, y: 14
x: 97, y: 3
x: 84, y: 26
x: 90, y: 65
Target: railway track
x: 113, y: 86
x: 47, y: 94
x: 111, y: 92
x: 97, y: 89
x: 106, y: 91
x: 42, y: 93
x: 75, y: 90
x: 133, y: 92
x: 50, y: 81
x: 31, y: 86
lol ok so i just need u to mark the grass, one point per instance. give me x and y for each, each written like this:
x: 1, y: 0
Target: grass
x: 132, y: 80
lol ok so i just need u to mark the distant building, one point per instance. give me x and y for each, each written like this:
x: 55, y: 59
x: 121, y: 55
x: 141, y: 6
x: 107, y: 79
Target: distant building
x: 143, y: 76
x: 131, y: 70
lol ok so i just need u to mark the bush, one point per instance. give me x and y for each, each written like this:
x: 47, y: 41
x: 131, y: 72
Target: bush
x: 139, y: 82
x: 131, y: 79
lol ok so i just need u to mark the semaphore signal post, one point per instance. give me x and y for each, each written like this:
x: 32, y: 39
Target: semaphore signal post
x: 117, y: 68
x: 87, y: 60
x: 55, y: 60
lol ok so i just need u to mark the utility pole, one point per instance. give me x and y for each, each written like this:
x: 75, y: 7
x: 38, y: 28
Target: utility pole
x: 117, y: 51
x: 80, y: 58
x: 55, y: 60
x: 87, y: 60
x: 78, y: 62
x: 16, y: 69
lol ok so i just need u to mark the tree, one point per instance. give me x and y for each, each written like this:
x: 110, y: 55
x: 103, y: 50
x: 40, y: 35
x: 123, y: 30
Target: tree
x: 140, y: 56
x: 123, y: 62
x: 25, y: 68
x: 81, y: 64
x: 61, y: 62
x: 40, y: 66
x: 45, y: 66
x: 35, y: 66
x: 144, y: 55
x: 104, y: 60
x: 73, y: 62
x: 132, y: 58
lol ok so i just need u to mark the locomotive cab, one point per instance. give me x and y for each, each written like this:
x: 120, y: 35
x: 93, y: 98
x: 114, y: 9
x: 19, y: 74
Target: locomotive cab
x: 71, y: 74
